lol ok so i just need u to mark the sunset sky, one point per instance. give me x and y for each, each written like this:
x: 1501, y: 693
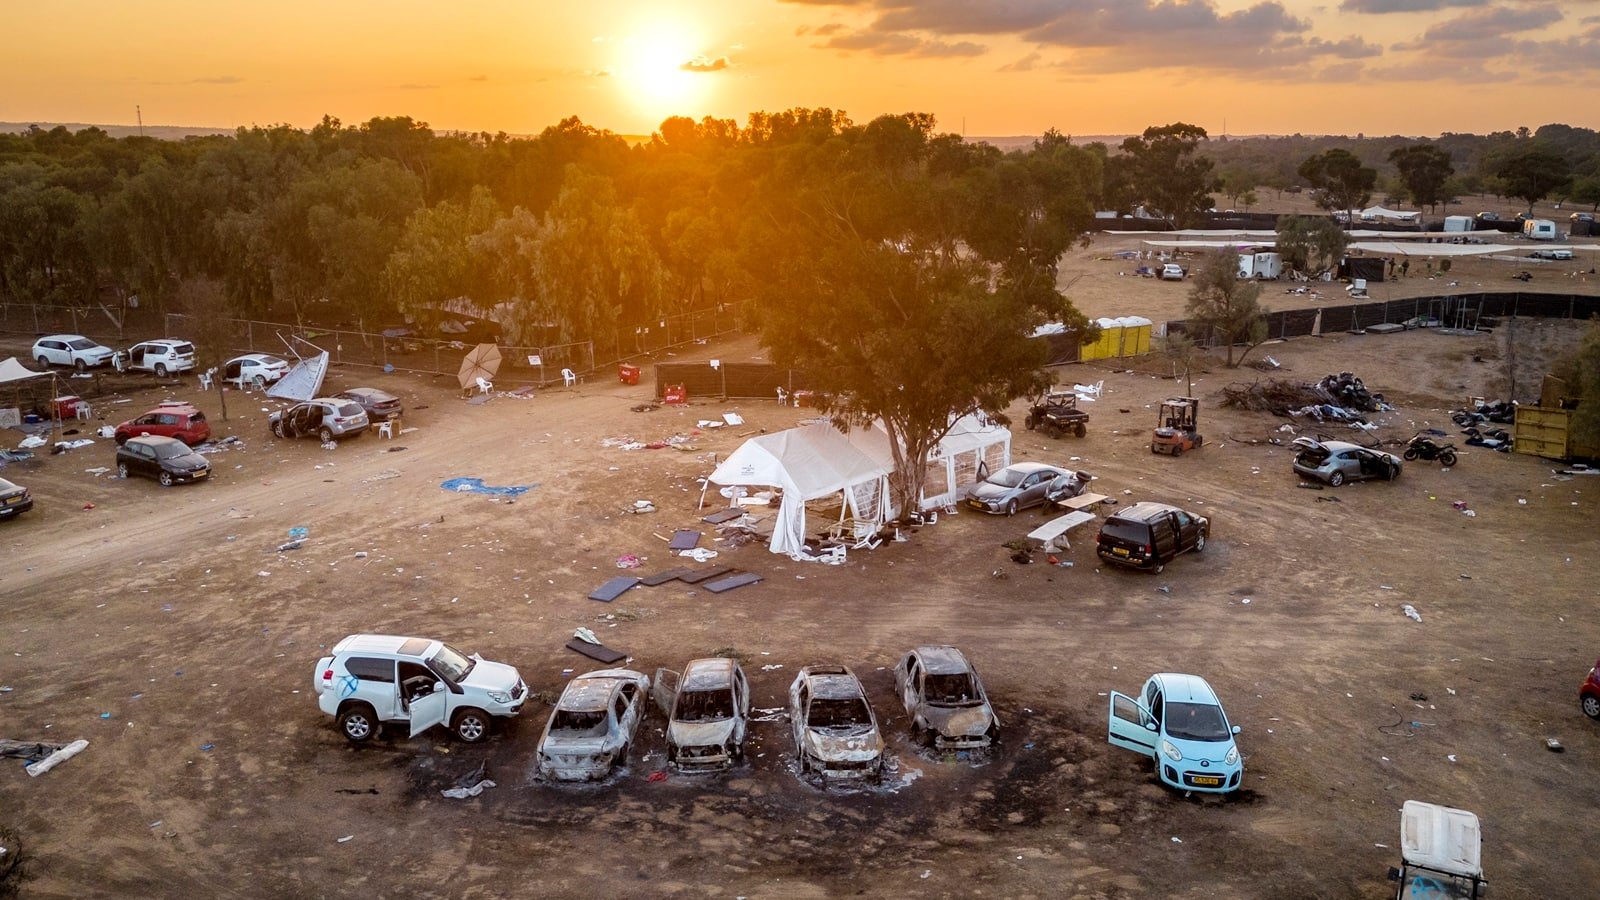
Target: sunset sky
x: 988, y: 67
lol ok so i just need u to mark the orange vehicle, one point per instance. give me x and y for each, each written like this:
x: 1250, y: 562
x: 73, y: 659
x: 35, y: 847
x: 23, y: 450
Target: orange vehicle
x: 1177, y: 427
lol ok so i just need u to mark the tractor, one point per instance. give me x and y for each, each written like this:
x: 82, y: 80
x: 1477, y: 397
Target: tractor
x: 1177, y: 427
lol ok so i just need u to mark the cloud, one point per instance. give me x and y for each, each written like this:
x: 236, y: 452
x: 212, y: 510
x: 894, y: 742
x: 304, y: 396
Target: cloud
x: 702, y: 64
x: 967, y: 17
x: 1380, y: 7
x: 413, y: 86
x: 218, y: 79
x: 898, y: 44
x: 478, y: 78
x: 1025, y: 64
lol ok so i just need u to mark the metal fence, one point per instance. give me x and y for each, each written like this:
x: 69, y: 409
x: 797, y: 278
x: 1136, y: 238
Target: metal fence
x: 104, y: 323
x: 1452, y: 311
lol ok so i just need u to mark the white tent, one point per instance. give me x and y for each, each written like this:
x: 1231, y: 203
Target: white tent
x: 808, y: 463
x: 1379, y: 212
x: 11, y: 370
x: 953, y: 466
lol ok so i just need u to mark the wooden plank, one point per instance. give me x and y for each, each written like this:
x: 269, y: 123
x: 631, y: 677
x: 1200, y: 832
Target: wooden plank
x: 697, y: 577
x: 728, y: 583
x: 613, y: 588
x: 1082, y: 501
x: 599, y: 652
x: 723, y: 515
x: 684, y: 539
x: 664, y: 577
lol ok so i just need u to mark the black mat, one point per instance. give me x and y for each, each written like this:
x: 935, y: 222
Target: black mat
x: 697, y: 577
x: 613, y: 589
x: 724, y: 515
x: 729, y: 582
x: 684, y: 539
x: 596, y: 651
x: 664, y: 577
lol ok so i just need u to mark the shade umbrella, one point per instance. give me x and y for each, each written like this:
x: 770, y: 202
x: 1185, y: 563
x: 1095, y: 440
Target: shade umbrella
x: 482, y: 362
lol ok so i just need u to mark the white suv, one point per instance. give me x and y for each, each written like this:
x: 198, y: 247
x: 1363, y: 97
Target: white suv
x: 375, y: 678
x: 73, y: 350
x: 164, y: 357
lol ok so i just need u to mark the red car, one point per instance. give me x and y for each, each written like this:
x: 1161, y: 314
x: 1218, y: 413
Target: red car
x: 1589, y: 694
x: 174, y: 419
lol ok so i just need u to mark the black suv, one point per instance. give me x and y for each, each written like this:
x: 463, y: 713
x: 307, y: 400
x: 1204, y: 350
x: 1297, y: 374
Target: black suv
x: 1148, y: 535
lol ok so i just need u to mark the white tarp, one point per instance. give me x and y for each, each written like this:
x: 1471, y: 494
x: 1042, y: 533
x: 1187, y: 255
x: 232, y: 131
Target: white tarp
x: 1379, y: 212
x: 11, y: 370
x: 303, y: 381
x: 805, y: 463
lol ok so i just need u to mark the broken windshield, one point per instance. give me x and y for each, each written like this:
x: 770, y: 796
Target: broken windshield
x: 828, y: 712
x: 705, y: 706
x: 1196, y: 722
x: 950, y: 690
x: 452, y: 664
x: 584, y: 723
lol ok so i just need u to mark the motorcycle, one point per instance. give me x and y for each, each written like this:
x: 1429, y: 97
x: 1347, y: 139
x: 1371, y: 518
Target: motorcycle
x: 1423, y: 447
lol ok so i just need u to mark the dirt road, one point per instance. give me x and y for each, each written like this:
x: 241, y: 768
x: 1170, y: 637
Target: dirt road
x: 163, y: 626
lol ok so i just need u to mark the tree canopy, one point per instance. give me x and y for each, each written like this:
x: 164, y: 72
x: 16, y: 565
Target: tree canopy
x: 1345, y: 183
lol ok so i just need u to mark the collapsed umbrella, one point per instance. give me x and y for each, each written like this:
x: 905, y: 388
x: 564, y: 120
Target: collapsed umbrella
x: 482, y: 362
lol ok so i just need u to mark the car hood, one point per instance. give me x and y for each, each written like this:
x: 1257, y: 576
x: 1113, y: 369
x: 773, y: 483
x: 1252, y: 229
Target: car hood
x: 857, y: 745
x: 575, y: 746
x: 957, y: 720
x: 700, y: 734
x: 1210, y: 751
x: 192, y: 462
x: 491, y: 676
x: 983, y: 490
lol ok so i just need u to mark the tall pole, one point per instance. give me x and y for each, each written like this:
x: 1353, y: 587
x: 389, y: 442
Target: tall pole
x: 139, y: 115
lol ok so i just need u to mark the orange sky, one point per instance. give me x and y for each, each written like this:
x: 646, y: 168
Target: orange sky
x: 1001, y: 67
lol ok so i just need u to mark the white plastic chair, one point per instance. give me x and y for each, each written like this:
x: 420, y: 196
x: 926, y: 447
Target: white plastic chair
x: 386, y: 429
x: 1089, y: 392
x: 205, y: 381
x: 485, y: 385
x: 569, y: 377
x: 81, y: 410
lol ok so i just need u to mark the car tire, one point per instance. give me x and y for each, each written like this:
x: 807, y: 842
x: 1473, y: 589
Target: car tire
x: 44, y: 361
x: 1447, y: 458
x: 121, y: 439
x: 1409, y: 454
x: 1591, y: 706
x: 80, y: 365
x: 1200, y: 542
x: 1158, y: 568
x: 277, y: 429
x: 1011, y: 508
x: 1030, y: 422
x: 471, y: 725
x: 1336, y: 479
x: 161, y: 370
x: 325, y: 434
x: 259, y: 382
x: 358, y: 723
x: 122, y: 468
x: 165, y: 478
x: 1080, y: 431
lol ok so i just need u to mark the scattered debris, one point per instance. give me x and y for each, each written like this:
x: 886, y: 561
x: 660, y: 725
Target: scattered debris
x: 1553, y: 745
x: 1411, y: 612
x: 471, y: 785
x: 476, y: 486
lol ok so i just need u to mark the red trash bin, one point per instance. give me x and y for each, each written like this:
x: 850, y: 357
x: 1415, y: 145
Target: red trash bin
x: 628, y: 374
x: 675, y: 393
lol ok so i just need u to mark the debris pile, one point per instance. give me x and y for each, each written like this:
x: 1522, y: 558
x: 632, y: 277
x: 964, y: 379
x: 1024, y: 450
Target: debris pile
x: 1341, y: 398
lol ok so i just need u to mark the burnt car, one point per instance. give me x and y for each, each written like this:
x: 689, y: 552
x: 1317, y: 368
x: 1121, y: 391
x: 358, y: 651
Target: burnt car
x: 167, y: 460
x: 14, y: 499
x: 708, y: 713
x: 835, y: 733
x: 1336, y: 462
x: 1023, y: 485
x: 324, y: 418
x: 945, y: 700
x: 593, y: 725
x: 380, y: 406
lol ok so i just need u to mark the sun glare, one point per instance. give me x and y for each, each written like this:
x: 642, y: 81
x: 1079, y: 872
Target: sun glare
x: 650, y: 69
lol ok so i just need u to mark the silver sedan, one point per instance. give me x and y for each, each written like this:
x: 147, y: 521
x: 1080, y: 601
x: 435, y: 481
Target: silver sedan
x: 1023, y: 485
x: 1336, y: 462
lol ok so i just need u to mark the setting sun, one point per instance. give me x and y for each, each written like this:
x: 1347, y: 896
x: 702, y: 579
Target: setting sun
x: 661, y: 70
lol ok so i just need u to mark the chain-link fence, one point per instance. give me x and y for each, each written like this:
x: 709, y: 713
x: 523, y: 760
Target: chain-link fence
x: 1450, y: 311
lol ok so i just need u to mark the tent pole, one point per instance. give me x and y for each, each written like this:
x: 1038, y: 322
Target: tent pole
x: 706, y: 484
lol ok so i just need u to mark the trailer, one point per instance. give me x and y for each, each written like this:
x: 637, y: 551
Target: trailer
x: 1458, y: 223
x: 1539, y: 229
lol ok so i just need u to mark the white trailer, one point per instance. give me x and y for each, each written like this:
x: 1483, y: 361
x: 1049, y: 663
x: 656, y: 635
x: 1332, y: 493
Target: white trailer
x: 1264, y: 265
x: 1458, y: 223
x: 1539, y: 230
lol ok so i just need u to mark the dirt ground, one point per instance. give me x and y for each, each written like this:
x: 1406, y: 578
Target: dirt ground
x: 163, y: 626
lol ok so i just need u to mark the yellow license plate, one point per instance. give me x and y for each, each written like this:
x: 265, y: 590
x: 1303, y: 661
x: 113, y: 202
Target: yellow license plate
x: 1204, y: 781
x: 975, y: 504
x: 201, y: 474
x: 1120, y: 551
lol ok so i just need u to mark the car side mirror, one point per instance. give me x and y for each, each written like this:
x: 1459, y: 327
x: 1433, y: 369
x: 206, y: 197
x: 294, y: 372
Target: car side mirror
x: 1150, y: 726
x: 1236, y: 729
x: 438, y: 686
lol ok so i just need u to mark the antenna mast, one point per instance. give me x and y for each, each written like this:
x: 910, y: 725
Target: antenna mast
x: 139, y: 115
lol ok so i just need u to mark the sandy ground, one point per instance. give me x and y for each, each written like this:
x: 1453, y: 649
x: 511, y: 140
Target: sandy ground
x: 163, y: 626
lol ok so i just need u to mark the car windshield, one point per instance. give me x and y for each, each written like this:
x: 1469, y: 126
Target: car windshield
x: 171, y: 451
x: 1132, y: 532
x: 705, y: 706
x: 350, y: 409
x: 452, y: 664
x: 1196, y: 722
x: 828, y: 712
x: 950, y: 690
x: 1007, y: 477
x: 579, y: 723
x: 82, y: 344
x: 182, y: 349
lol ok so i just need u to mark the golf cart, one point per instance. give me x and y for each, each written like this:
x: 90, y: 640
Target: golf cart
x: 1177, y: 427
x: 1057, y: 414
x: 1440, y: 850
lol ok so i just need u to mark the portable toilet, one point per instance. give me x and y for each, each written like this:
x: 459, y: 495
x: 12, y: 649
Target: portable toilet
x: 1135, y: 335
x: 1268, y: 265
x: 1107, y: 344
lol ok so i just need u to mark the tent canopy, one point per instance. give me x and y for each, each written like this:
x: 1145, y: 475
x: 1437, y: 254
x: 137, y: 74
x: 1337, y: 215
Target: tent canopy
x: 11, y: 370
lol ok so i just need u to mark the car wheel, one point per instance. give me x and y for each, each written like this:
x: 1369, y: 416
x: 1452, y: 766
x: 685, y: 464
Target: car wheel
x: 1154, y: 447
x: 1336, y: 479
x: 1080, y: 431
x: 1200, y: 542
x: 161, y: 370
x: 1177, y: 449
x: 1448, y: 458
x: 471, y: 725
x: 259, y: 382
x: 1030, y: 422
x: 166, y: 479
x: 80, y: 365
x: 121, y: 439
x: 326, y: 434
x: 1591, y: 706
x: 44, y: 361
x: 277, y: 429
x: 1409, y: 454
x: 122, y: 468
x: 1011, y: 508
x: 1158, y: 568
x: 358, y: 723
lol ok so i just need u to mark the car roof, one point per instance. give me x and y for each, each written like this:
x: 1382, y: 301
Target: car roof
x: 832, y: 682
x: 711, y: 674
x: 1144, y: 511
x: 258, y: 356
x: 154, y: 440
x: 385, y: 643
x: 592, y: 690
x: 943, y: 660
x: 1181, y: 688
x: 1033, y: 467
x: 61, y: 337
x: 173, y: 406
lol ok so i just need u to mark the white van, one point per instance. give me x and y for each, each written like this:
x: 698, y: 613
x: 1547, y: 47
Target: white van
x: 1539, y: 230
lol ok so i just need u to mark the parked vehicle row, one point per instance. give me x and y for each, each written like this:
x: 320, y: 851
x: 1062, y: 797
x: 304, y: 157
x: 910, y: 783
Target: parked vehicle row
x: 162, y: 357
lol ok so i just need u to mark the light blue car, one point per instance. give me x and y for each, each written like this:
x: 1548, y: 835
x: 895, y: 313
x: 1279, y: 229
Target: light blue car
x: 1178, y: 722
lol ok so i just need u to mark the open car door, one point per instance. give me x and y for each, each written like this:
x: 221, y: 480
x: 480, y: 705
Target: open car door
x: 428, y: 710
x: 666, y: 689
x: 1131, y: 725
